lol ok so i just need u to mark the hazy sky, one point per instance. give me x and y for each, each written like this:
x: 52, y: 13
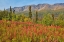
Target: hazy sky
x: 17, y: 3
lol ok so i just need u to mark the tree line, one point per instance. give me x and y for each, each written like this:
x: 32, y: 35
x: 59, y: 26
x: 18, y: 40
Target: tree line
x: 48, y: 19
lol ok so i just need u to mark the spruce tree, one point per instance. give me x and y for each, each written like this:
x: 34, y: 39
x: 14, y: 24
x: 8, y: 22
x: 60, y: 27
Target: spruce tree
x: 10, y: 9
x: 30, y: 13
x: 53, y: 17
x: 4, y: 13
x: 10, y: 14
x: 14, y: 11
x: 36, y: 16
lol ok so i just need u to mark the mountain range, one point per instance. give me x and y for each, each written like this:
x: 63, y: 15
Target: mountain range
x: 39, y: 7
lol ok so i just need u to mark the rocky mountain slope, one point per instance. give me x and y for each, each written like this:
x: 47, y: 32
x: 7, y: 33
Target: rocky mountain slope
x: 40, y: 7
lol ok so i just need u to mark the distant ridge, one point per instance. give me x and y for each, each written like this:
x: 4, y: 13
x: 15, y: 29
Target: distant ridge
x: 40, y: 7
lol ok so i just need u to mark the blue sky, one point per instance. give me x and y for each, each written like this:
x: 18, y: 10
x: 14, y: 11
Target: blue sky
x: 18, y: 3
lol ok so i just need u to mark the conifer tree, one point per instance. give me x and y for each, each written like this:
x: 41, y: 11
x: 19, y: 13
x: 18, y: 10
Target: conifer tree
x: 53, y: 16
x: 14, y: 11
x: 36, y: 16
x: 10, y: 14
x: 30, y: 13
x: 4, y: 13
x: 10, y: 9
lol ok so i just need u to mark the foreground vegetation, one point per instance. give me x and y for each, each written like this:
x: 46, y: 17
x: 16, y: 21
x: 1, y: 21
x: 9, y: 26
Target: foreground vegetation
x: 13, y: 31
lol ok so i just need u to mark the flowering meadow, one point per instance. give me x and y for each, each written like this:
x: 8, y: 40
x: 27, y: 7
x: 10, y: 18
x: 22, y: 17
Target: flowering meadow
x: 14, y: 31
